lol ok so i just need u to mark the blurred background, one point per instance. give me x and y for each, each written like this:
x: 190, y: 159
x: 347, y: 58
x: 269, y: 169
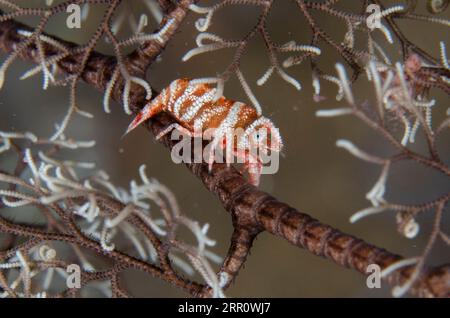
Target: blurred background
x: 315, y: 176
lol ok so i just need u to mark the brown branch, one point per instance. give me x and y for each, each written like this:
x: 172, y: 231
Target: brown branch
x: 143, y: 57
x: 253, y: 211
x: 257, y: 211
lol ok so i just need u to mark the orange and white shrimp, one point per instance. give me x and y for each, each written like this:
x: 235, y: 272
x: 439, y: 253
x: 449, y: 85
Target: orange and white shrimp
x: 197, y: 109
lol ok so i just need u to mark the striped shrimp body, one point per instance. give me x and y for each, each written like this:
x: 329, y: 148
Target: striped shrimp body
x: 197, y: 109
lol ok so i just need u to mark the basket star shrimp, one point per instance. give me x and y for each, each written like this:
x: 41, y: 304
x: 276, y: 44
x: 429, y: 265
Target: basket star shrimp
x: 197, y: 109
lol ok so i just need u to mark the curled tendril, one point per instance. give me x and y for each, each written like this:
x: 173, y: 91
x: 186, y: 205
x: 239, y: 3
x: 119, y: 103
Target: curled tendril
x: 437, y: 6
